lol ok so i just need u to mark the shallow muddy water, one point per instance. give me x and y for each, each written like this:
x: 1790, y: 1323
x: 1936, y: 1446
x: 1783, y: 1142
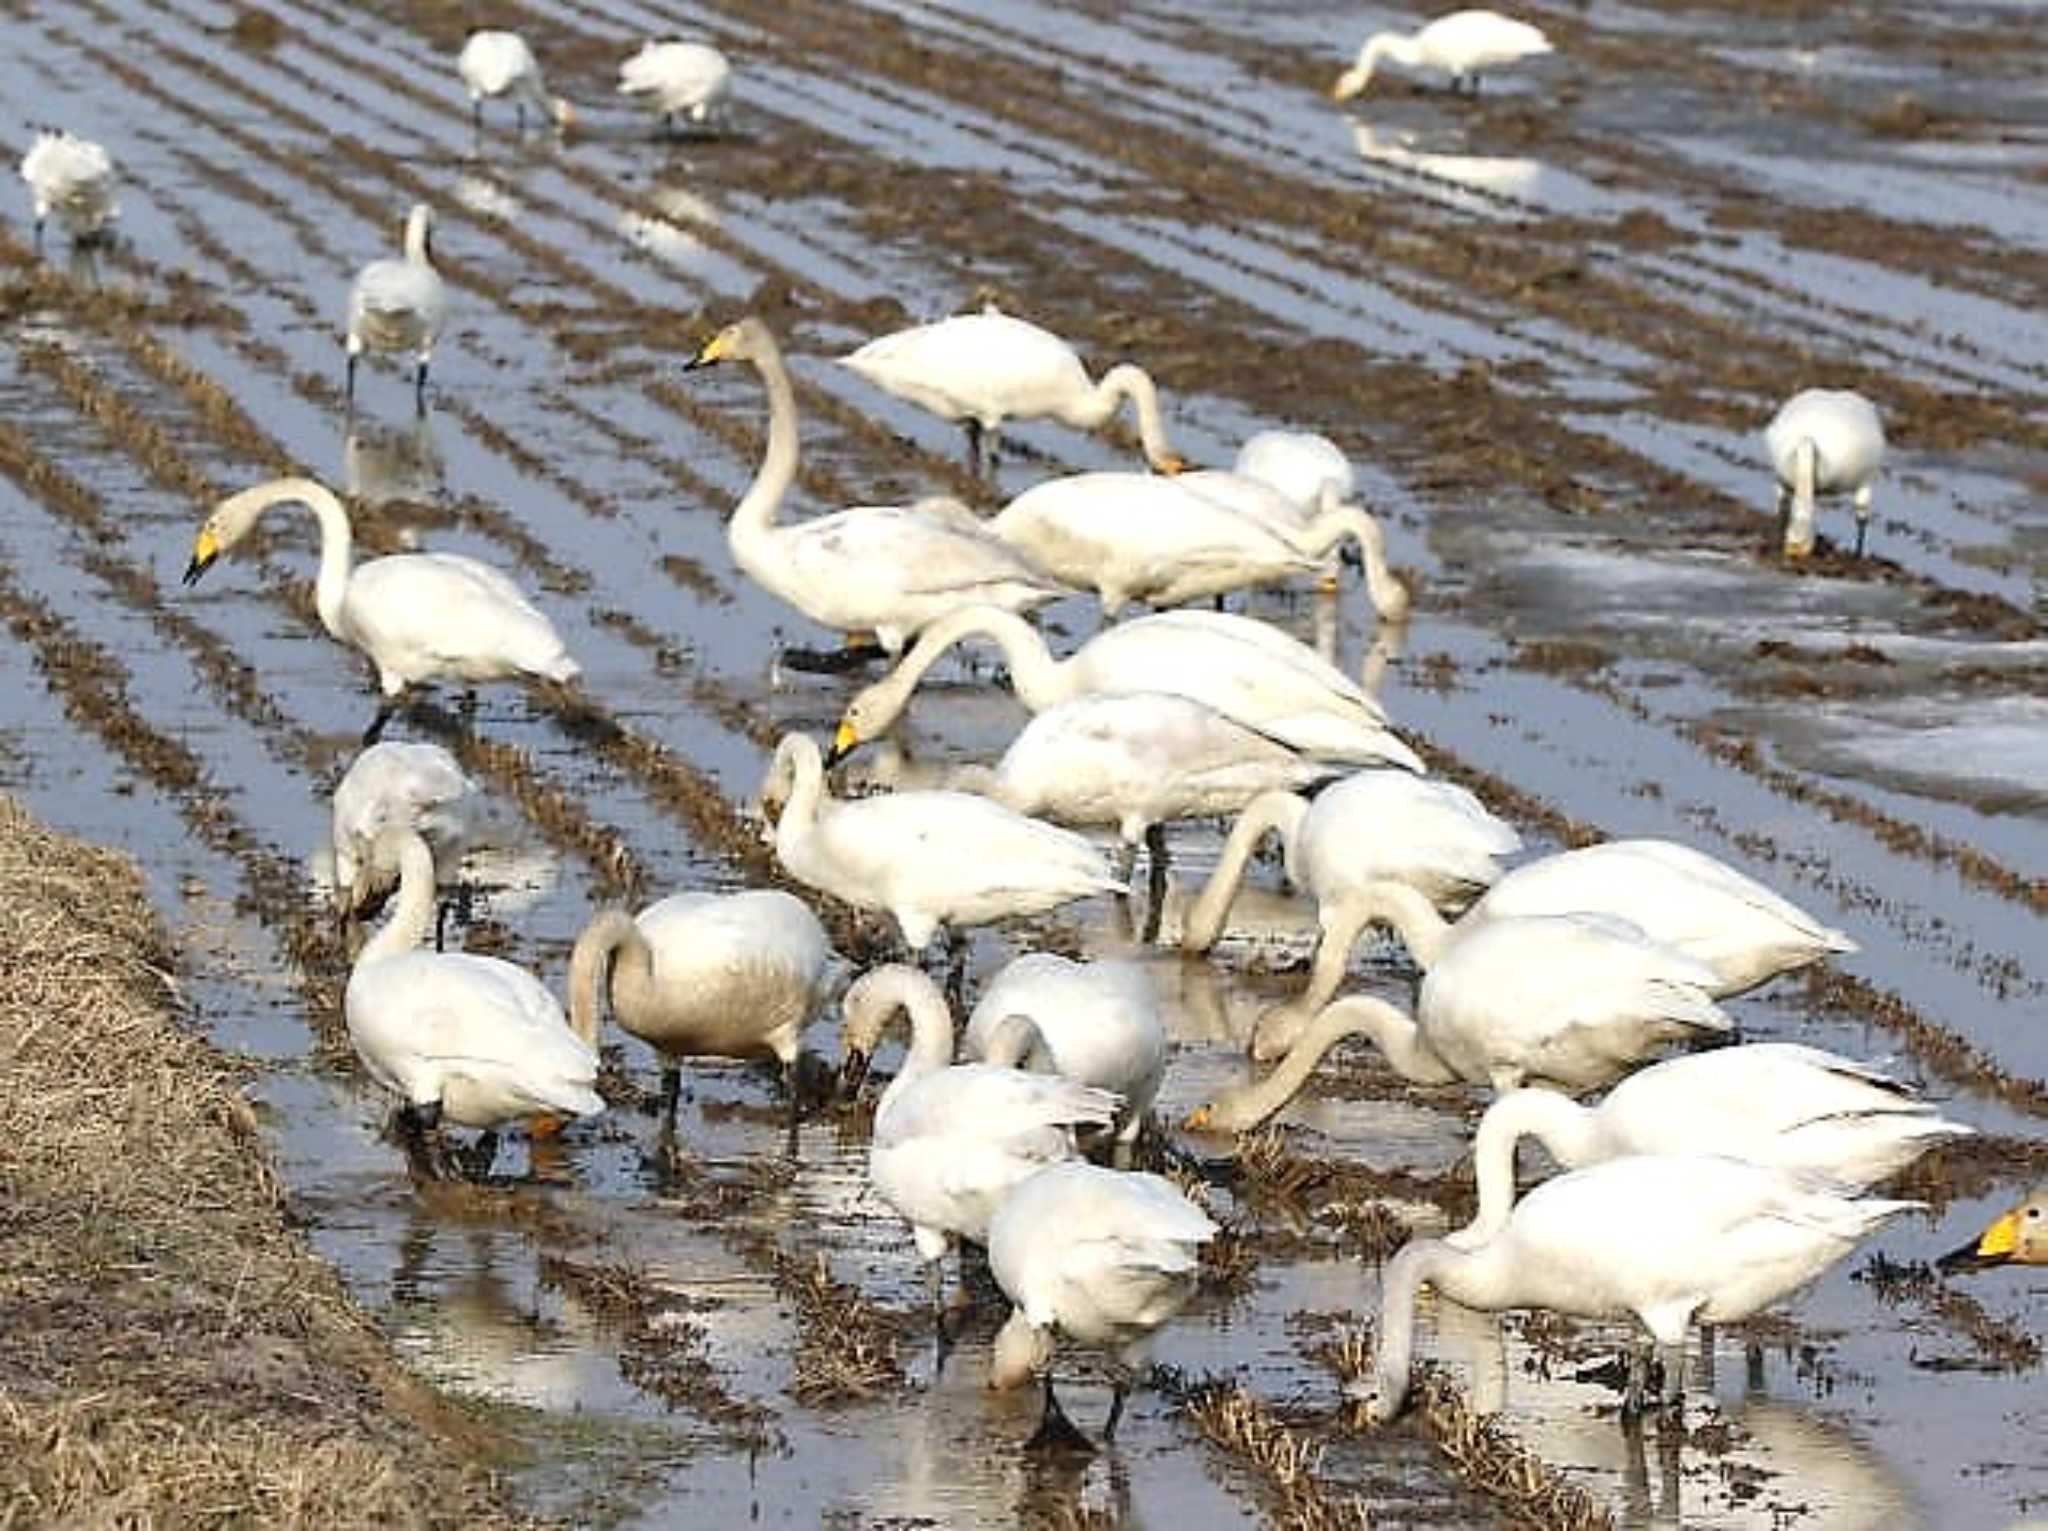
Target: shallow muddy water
x: 1547, y: 324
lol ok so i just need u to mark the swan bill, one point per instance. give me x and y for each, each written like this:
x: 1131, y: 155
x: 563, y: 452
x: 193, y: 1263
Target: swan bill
x: 717, y: 349
x: 205, y: 549
x: 844, y: 743
x: 1996, y: 1246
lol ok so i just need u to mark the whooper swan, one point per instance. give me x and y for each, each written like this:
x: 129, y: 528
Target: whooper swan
x: 1248, y: 670
x: 952, y: 1140
x: 1309, y: 469
x: 418, y: 616
x: 1775, y: 1103
x: 988, y: 367
x: 705, y: 975
x: 1460, y: 44
x: 399, y: 305
x: 1823, y: 441
x: 1099, y: 1023
x: 1317, y: 526
x: 73, y: 178
x: 470, y: 1040
x: 677, y: 79
x: 1672, y: 1240
x: 2018, y: 1237
x: 499, y: 65
x: 1103, y: 1257
x: 886, y: 569
x: 399, y: 786
x: 928, y: 858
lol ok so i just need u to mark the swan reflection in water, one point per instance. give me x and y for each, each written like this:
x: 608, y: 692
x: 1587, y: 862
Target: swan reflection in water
x: 380, y: 464
x: 1510, y: 176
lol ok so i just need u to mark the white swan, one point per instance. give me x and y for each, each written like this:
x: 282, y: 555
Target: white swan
x: 1249, y: 671
x: 1773, y: 1103
x: 2016, y: 1237
x: 399, y: 786
x: 73, y: 178
x: 1311, y: 470
x: 928, y: 858
x: 1104, y: 1257
x: 1135, y: 762
x: 470, y: 1040
x: 499, y: 64
x: 1373, y: 826
x: 1673, y: 1240
x: 1167, y: 541
x: 678, y: 79
x: 952, y: 1140
x: 886, y: 569
x: 1460, y: 44
x: 1682, y: 898
x: 988, y: 367
x: 705, y: 975
x: 399, y: 305
x: 1099, y: 1023
x: 1575, y: 1000
x: 1823, y: 441
x: 418, y: 616
x: 1313, y: 527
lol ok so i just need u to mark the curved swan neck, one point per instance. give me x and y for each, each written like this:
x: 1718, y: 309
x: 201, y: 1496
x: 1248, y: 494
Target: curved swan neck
x: 880, y: 996
x: 1395, y: 1033
x: 1413, y: 917
x: 1038, y: 679
x: 1469, y: 1277
x: 1242, y: 1109
x: 1282, y: 811
x: 1568, y: 1130
x: 798, y: 776
x: 1012, y: 1042
x: 419, y: 228
x: 1134, y: 383
x: 755, y: 513
x: 413, y: 913
x: 1799, y: 528
x: 238, y: 512
x: 612, y: 953
x: 1389, y: 596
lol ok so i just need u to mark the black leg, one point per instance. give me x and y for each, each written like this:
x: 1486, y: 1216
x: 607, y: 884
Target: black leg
x: 350, y: 389
x: 39, y: 236
x: 1056, y: 1433
x: 441, y: 912
x: 789, y: 1083
x: 1122, y: 1384
x: 376, y: 729
x: 476, y: 1164
x: 671, y: 1090
x: 419, y: 388
x: 1862, y: 530
x: 974, y: 447
x: 520, y: 108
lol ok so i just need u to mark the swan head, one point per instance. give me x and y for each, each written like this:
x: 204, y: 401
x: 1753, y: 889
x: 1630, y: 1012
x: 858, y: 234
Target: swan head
x: 1379, y: 1396
x: 747, y: 340
x: 1349, y: 84
x: 2018, y: 1237
x: 563, y: 112
x: 859, y: 724
x: 206, y: 550
x: 1020, y: 1351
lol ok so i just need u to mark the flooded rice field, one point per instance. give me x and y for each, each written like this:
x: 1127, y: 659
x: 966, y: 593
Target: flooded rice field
x: 1547, y: 323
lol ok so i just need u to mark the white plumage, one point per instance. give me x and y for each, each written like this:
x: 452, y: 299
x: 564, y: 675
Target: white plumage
x: 71, y: 178
x: 1308, y: 469
x: 399, y: 305
x: 677, y: 79
x: 1824, y: 441
x: 495, y: 64
x: 986, y: 368
x: 399, y: 786
x: 1460, y: 44
x: 928, y: 858
x: 1670, y: 1240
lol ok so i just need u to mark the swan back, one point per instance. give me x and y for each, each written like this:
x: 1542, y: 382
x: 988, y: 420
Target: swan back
x: 392, y: 785
x: 1846, y: 433
x: 1390, y: 825
x: 494, y: 62
x: 1470, y: 40
x: 72, y: 177
x: 677, y: 77
x: 442, y: 616
x: 1310, y: 470
x: 1099, y: 1021
x: 982, y: 367
x: 1682, y: 898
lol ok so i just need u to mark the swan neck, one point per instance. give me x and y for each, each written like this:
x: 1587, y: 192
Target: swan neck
x: 418, y: 225
x: 1269, y: 811
x: 239, y: 512
x: 1134, y: 383
x: 1389, y: 596
x: 1413, y: 917
x: 412, y: 914
x: 755, y: 513
x: 902, y: 989
x: 1013, y: 1041
x: 1568, y: 1130
x: 798, y: 776
x: 1038, y: 678
x: 1396, y: 1034
x: 1350, y: 1018
x: 611, y: 953
x: 1799, y: 529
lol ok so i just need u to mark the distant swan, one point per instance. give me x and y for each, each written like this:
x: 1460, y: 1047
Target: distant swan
x: 399, y: 305
x: 418, y: 616
x: 988, y: 367
x: 677, y: 80
x: 1460, y: 44
x: 1248, y: 670
x: 1823, y: 441
x: 73, y: 178
x: 471, y: 1040
x: 1673, y: 1240
x: 887, y: 569
x: 499, y: 64
x: 928, y: 858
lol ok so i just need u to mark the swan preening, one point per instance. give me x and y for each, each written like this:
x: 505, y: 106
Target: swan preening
x: 496, y: 65
x: 986, y: 368
x: 1460, y: 44
x: 399, y: 305
x: 399, y: 786
x: 470, y: 1040
x: 72, y: 179
x: 677, y: 79
x: 952, y: 1140
x: 1247, y: 670
x: 1103, y: 1257
x: 886, y: 569
x: 1774, y: 1103
x: 1684, y: 899
x: 2016, y: 1237
x: 1823, y: 441
x: 927, y: 858
x: 706, y: 975
x: 1671, y: 1240
x: 418, y: 616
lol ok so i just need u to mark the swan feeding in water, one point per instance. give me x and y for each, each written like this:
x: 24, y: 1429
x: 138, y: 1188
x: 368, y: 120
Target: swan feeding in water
x: 1823, y: 441
x: 1460, y: 44
x: 496, y: 65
